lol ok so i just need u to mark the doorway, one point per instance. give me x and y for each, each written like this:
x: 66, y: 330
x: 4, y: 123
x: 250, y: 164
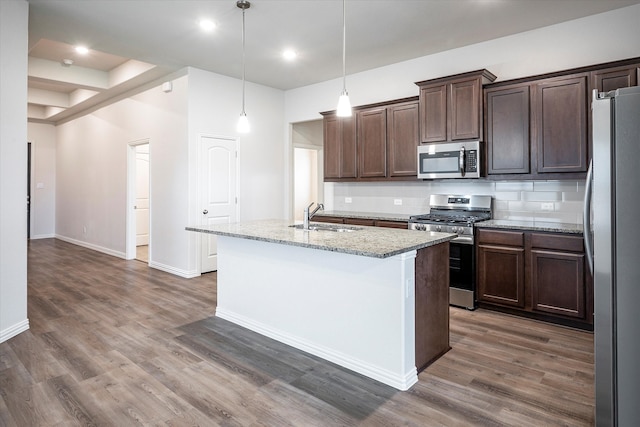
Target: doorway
x: 307, y: 166
x: 138, y: 202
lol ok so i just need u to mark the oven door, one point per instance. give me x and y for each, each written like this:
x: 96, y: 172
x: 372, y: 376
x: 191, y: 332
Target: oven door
x: 462, y: 283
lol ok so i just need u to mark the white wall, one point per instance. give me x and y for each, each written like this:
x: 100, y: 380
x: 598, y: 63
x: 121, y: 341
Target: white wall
x: 215, y: 102
x: 91, y: 159
x: 43, y: 179
x: 592, y: 40
x: 13, y: 167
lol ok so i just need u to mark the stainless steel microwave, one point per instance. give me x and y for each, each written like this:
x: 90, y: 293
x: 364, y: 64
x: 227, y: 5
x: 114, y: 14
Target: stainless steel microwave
x: 449, y: 160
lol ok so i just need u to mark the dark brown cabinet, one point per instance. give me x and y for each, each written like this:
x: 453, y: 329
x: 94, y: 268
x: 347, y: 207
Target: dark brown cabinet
x: 451, y: 108
x: 403, y: 133
x: 541, y: 275
x: 558, y: 275
x: 560, y: 114
x: 508, y: 140
x: 362, y: 221
x: 615, y: 78
x: 538, y: 129
x: 501, y: 267
x: 379, y: 143
x: 371, y: 126
x: 339, y: 147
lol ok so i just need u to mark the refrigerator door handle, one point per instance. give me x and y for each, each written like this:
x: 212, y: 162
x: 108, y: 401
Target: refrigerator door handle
x: 586, y: 217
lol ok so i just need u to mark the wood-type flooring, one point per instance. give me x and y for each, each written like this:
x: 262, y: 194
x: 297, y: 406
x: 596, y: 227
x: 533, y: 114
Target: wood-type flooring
x: 116, y: 343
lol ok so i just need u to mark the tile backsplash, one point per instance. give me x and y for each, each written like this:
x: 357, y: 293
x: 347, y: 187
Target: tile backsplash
x: 552, y: 201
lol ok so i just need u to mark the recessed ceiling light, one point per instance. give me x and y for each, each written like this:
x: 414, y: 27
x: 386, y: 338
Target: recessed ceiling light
x: 207, y: 25
x: 82, y: 50
x: 289, y: 54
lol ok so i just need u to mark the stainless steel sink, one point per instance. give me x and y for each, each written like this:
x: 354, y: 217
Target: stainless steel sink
x: 338, y: 228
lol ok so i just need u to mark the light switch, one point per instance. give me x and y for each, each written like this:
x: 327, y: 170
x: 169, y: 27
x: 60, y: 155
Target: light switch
x: 40, y: 185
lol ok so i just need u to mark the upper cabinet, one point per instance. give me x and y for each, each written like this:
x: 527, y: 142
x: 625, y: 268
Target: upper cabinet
x: 339, y: 147
x: 508, y: 130
x: 539, y: 127
x: 372, y: 142
x: 451, y: 108
x: 615, y: 78
x: 560, y: 115
x: 403, y: 132
x: 381, y: 146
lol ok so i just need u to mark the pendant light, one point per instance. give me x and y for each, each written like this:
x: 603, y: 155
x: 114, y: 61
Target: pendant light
x: 243, y: 121
x: 344, y: 105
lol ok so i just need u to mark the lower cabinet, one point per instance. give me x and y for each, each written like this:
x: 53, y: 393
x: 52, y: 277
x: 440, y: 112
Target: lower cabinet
x: 361, y: 221
x: 501, y: 268
x: 540, y: 275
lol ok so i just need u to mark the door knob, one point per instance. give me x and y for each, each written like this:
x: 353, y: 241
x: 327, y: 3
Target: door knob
x: 204, y: 212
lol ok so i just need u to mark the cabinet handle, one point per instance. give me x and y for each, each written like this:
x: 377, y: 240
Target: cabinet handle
x: 204, y: 212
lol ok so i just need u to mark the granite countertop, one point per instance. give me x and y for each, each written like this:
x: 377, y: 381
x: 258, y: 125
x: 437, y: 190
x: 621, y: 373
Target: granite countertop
x: 376, y: 242
x: 366, y: 215
x: 555, y: 227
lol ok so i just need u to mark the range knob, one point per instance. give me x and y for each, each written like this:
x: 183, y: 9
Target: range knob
x: 454, y: 229
x: 423, y: 227
x: 438, y: 228
x: 461, y: 230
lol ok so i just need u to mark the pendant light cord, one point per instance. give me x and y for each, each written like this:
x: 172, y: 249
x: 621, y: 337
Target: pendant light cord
x: 243, y: 63
x: 344, y: 46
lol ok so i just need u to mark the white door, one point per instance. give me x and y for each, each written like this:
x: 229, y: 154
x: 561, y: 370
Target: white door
x: 142, y: 195
x: 218, y: 181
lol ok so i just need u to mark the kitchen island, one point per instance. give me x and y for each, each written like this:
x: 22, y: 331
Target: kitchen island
x: 370, y: 299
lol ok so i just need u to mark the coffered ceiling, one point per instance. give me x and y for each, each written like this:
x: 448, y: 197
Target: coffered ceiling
x: 134, y: 42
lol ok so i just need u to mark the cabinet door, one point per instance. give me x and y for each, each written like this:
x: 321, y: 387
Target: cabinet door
x: 558, y: 283
x: 501, y: 275
x: 403, y: 138
x: 339, y: 147
x: 433, y: 111
x: 372, y: 142
x: 332, y: 147
x: 614, y: 78
x: 466, y: 111
x: 508, y: 131
x: 561, y: 125
x: 348, y: 158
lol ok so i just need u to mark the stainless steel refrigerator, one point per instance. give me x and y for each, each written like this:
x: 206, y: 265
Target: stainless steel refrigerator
x: 612, y: 205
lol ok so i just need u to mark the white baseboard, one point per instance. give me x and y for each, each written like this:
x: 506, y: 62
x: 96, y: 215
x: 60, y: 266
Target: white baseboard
x: 42, y: 236
x: 14, y: 330
x: 400, y: 382
x: 187, y: 274
x: 92, y: 246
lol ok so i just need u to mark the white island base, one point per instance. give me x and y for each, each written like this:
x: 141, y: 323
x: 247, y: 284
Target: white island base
x: 356, y: 311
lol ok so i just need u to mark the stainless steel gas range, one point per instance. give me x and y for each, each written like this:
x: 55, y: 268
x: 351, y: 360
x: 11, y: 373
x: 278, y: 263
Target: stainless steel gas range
x: 457, y: 214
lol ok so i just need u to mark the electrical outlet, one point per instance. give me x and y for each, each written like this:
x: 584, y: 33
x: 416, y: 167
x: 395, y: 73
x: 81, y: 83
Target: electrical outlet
x: 546, y: 206
x: 347, y: 199
x: 397, y: 202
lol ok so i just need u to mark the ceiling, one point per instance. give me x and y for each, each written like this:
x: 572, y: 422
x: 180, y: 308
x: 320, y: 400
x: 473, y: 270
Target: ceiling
x: 133, y: 42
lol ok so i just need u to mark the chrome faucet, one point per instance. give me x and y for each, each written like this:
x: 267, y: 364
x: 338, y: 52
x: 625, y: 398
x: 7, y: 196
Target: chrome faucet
x: 307, y: 216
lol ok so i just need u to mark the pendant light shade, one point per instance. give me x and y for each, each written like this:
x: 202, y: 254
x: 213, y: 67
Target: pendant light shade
x: 243, y: 121
x: 344, y: 105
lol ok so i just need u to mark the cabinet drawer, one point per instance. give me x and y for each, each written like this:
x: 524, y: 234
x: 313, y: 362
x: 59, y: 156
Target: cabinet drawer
x: 510, y: 238
x: 392, y: 224
x: 330, y: 219
x: 558, y: 242
x: 359, y: 221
